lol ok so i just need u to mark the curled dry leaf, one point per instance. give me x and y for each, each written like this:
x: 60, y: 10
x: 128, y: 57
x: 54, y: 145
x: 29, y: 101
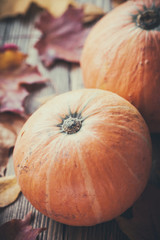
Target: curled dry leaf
x: 16, y: 76
x: 13, y: 8
x: 145, y: 222
x: 62, y: 38
x: 10, y: 125
x: 9, y: 190
x: 18, y: 229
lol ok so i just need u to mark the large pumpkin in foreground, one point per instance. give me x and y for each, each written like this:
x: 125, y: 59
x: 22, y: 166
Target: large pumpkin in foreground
x: 84, y: 157
x: 122, y: 54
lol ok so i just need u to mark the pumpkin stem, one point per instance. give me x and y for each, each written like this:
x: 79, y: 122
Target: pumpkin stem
x: 71, y: 125
x: 148, y: 19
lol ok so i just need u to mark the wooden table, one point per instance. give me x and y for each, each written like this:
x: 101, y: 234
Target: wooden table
x: 63, y: 77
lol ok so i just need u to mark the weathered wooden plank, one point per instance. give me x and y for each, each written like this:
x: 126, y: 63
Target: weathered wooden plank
x: 76, y: 81
x: 2, y: 32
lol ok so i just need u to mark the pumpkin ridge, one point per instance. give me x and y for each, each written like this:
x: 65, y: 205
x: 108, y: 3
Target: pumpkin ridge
x: 115, y: 55
x: 121, y: 157
x: 140, y: 70
x: 155, y: 40
x: 143, y: 92
x: 90, y: 189
x: 109, y: 180
x: 26, y: 156
x: 124, y: 161
x: 30, y: 179
x: 33, y: 149
x: 131, y: 131
x: 59, y: 146
x: 118, y: 85
x: 86, y: 103
x: 121, y: 126
x: 106, y: 108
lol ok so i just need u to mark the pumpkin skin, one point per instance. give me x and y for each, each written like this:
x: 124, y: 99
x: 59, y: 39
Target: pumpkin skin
x: 83, y: 174
x: 122, y: 54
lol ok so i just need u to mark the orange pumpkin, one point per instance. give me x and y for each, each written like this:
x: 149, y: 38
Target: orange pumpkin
x: 122, y: 54
x: 83, y: 157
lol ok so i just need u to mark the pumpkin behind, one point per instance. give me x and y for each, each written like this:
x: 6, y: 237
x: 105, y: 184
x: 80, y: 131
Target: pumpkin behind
x: 83, y: 157
x: 122, y: 55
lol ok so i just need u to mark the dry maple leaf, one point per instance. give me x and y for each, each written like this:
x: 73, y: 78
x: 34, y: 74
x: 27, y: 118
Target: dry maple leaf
x: 62, y: 38
x: 145, y: 222
x: 18, y: 229
x: 15, y: 76
x: 10, y: 125
x: 9, y: 190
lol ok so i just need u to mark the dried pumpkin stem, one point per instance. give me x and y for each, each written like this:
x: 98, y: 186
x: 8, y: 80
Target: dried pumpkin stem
x: 71, y: 125
x: 148, y: 19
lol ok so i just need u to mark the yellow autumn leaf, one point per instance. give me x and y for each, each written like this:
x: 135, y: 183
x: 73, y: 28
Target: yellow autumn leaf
x: 91, y: 12
x: 10, y: 59
x: 13, y: 8
x: 9, y: 190
x: 55, y: 7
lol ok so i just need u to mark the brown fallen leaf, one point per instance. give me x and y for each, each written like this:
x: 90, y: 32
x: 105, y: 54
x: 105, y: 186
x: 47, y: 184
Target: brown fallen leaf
x: 62, y: 38
x: 16, y: 79
x: 17, y: 229
x: 145, y: 222
x: 10, y: 125
x: 9, y: 190
x: 12, y: 8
